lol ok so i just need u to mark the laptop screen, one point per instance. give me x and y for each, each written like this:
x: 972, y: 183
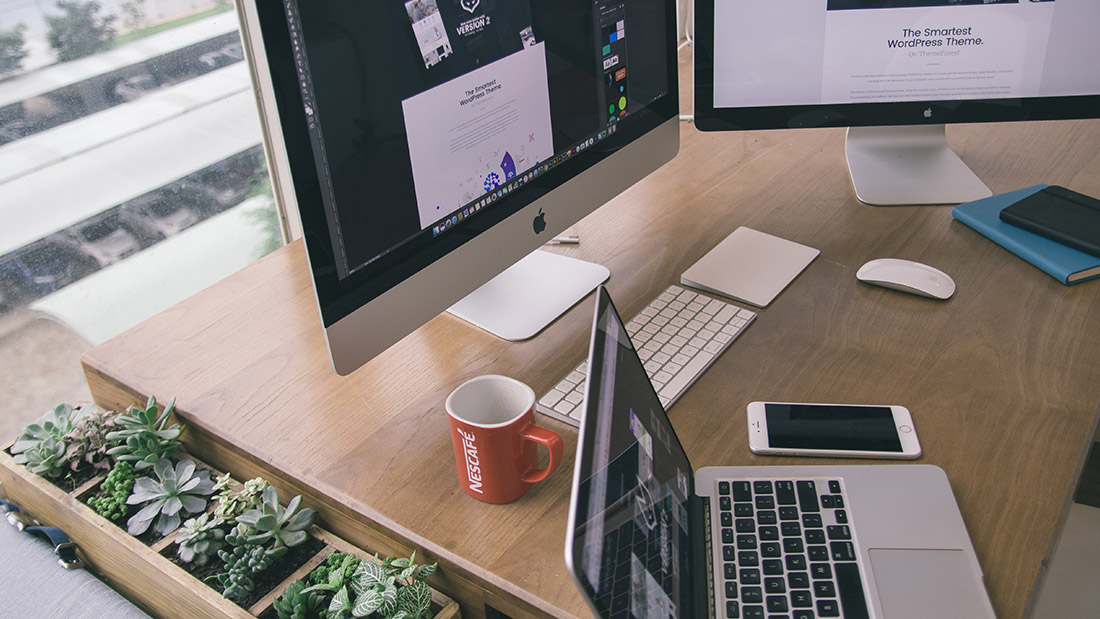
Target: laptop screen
x: 628, y: 540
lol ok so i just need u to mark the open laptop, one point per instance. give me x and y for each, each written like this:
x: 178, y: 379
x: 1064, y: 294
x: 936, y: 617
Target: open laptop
x: 648, y: 537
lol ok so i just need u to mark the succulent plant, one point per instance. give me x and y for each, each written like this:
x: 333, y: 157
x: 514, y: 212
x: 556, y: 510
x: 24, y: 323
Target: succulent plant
x: 297, y: 603
x: 287, y: 527
x: 176, y: 489
x: 113, y: 492
x: 334, y: 572
x: 244, y: 559
x: 200, y: 539
x: 41, y: 446
x: 144, y: 435
x: 87, y: 444
x: 234, y: 503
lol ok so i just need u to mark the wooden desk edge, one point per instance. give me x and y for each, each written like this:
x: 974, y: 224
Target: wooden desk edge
x: 471, y: 587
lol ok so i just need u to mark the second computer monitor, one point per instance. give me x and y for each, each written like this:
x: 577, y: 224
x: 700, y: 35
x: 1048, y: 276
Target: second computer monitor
x: 896, y: 71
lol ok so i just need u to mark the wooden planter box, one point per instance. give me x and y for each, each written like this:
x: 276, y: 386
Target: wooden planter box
x: 141, y: 573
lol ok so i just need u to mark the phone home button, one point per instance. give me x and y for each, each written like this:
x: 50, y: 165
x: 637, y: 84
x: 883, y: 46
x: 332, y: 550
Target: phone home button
x: 905, y: 428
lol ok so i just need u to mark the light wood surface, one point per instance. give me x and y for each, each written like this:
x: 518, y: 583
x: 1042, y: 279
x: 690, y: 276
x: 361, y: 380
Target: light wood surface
x: 1003, y: 380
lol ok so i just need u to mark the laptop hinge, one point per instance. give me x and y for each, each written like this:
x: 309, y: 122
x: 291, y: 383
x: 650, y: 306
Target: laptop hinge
x: 702, y: 588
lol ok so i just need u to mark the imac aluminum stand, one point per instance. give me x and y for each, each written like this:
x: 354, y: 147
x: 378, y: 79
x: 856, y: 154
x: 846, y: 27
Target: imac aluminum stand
x: 909, y: 165
x: 530, y: 294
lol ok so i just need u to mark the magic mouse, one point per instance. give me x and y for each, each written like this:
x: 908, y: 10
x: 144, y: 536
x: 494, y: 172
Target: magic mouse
x: 907, y: 276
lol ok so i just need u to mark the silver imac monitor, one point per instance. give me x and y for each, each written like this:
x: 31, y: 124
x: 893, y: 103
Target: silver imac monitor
x: 894, y: 72
x: 431, y: 147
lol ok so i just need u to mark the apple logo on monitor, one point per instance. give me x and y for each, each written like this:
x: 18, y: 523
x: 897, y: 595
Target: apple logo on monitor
x: 539, y: 224
x: 928, y: 113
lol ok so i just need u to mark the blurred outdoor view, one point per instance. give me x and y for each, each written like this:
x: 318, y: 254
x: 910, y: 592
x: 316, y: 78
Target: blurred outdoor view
x: 131, y: 176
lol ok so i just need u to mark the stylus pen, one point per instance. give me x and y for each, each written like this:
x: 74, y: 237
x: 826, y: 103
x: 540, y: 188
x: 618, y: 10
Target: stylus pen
x: 570, y: 239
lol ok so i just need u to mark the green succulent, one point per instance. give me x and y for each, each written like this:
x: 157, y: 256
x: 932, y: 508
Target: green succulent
x: 234, y: 503
x: 176, y: 489
x: 87, y: 444
x: 144, y: 435
x: 199, y: 539
x: 287, y: 527
x: 334, y: 572
x: 243, y: 559
x: 297, y: 603
x: 41, y: 447
x: 113, y: 492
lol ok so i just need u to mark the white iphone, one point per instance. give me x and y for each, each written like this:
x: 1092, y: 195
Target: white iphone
x: 832, y: 430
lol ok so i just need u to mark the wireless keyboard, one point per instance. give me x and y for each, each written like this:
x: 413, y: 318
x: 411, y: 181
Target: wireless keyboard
x: 678, y: 335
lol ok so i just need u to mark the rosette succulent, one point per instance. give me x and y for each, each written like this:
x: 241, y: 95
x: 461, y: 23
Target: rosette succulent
x: 87, y: 444
x: 177, y: 489
x: 144, y: 435
x: 296, y: 603
x: 199, y: 539
x: 287, y: 527
x: 41, y: 447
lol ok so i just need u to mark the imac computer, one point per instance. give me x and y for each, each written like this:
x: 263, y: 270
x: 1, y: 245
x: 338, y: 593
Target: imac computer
x: 431, y: 147
x: 894, y: 72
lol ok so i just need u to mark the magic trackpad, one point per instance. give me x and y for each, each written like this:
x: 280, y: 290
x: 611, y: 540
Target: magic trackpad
x: 917, y: 584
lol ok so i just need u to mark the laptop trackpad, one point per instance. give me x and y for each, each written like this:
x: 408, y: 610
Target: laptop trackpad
x: 918, y: 584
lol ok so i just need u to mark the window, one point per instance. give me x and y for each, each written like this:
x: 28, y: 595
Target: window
x: 132, y: 175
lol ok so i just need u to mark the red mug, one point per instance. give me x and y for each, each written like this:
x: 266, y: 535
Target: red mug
x: 496, y: 440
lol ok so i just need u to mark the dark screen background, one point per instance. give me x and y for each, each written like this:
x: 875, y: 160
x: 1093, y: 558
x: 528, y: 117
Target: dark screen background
x: 636, y: 502
x: 364, y: 60
x: 857, y: 428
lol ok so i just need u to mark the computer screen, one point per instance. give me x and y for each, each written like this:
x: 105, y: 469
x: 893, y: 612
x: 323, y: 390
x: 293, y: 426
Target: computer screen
x: 891, y: 63
x: 430, y: 144
x: 629, y: 544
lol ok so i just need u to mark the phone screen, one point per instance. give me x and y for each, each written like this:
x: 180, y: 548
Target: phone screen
x: 832, y: 427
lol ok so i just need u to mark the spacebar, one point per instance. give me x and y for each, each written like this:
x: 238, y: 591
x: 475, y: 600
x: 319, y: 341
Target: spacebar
x: 686, y: 375
x: 850, y: 587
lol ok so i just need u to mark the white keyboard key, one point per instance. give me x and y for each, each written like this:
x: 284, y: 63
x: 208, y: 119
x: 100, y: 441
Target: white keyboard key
x: 688, y: 376
x: 725, y: 314
x: 553, y: 397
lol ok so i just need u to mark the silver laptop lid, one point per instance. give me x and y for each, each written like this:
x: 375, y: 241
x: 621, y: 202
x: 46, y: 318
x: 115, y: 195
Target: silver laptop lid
x: 629, y: 543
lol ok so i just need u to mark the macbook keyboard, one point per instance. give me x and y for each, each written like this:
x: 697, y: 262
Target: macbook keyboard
x: 678, y: 336
x: 787, y: 550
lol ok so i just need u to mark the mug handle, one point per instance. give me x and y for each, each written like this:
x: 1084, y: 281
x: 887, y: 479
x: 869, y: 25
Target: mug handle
x: 553, y: 443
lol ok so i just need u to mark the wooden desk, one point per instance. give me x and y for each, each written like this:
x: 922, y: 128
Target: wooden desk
x: 1003, y: 380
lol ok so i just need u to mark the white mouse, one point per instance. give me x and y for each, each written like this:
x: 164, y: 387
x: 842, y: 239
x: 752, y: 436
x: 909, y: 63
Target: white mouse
x: 907, y: 276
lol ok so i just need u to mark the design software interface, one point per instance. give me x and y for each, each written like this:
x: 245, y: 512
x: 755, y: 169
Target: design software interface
x: 424, y: 113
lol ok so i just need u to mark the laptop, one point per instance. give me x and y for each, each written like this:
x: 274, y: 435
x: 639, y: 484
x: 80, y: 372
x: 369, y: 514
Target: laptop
x: 650, y: 537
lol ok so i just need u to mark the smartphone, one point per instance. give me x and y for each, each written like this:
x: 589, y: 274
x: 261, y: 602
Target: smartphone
x: 832, y: 430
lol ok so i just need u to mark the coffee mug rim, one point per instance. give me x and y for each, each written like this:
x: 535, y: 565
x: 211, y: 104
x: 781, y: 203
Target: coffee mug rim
x: 529, y: 392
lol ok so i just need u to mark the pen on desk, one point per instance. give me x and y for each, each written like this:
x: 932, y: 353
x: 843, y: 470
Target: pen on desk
x: 570, y: 239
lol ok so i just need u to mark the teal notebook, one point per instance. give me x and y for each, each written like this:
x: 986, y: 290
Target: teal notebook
x: 1063, y: 263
